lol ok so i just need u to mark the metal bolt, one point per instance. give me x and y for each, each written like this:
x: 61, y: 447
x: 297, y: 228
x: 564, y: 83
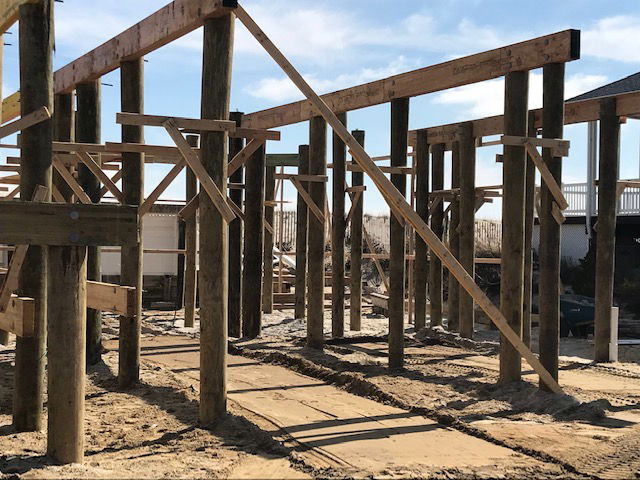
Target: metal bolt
x: 74, y: 215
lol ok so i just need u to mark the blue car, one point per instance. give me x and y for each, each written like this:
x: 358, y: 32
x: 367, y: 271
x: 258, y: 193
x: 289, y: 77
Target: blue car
x: 577, y: 313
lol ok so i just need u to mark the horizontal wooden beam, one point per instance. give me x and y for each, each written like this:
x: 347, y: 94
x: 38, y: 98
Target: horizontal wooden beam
x: 180, y: 122
x: 9, y: 13
x: 282, y: 160
x: 27, y: 121
x: 19, y: 316
x: 160, y: 28
x: 558, y: 47
x: 36, y: 223
x: 108, y: 297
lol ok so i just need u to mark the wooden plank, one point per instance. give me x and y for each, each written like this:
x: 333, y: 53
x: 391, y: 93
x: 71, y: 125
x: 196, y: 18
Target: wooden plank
x: 558, y: 47
x: 19, y: 316
x: 193, y: 161
x: 397, y: 202
x: 546, y: 175
x: 190, y: 208
x: 180, y: 122
x: 243, y: 155
x: 97, y: 171
x: 71, y: 181
x: 33, y: 118
x: 9, y: 13
x: 67, y: 224
x: 159, y: 190
x: 115, y: 179
x: 108, y: 297
x: 302, y: 177
x: 282, y: 160
x: 308, y: 200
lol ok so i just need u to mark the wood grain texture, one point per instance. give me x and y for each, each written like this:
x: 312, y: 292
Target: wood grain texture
x: 355, y: 300
x: 300, y: 309
x: 338, y: 231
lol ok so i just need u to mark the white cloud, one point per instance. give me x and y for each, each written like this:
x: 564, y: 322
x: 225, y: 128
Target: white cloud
x: 487, y: 98
x: 613, y: 38
x: 282, y: 89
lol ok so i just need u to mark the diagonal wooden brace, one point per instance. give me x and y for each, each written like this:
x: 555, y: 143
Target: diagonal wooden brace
x: 307, y: 199
x: 91, y: 164
x: 27, y: 121
x: 71, y: 181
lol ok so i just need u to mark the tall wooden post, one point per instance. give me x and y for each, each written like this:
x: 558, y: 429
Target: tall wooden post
x: 253, y: 245
x: 549, y: 294
x: 514, y: 168
x: 191, y: 246
x: 132, y: 101
x: 267, y: 255
x: 4, y: 335
x: 315, y: 254
x: 63, y: 131
x: 338, y: 231
x: 88, y: 131
x: 453, y: 300
x: 355, y: 299
x: 397, y: 234
x: 36, y: 90
x: 421, y: 264
x: 468, y: 199
x: 235, y: 238
x: 301, y: 238
x: 606, y: 235
x: 530, y: 193
x: 216, y: 88
x: 182, y: 238
x: 437, y: 226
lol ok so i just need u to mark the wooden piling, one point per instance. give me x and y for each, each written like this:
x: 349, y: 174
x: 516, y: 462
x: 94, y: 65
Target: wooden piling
x: 549, y: 249
x: 355, y: 272
x: 235, y: 238
x: 301, y: 238
x: 191, y: 247
x: 267, y: 255
x: 468, y: 200
x: 397, y: 235
x: 253, y: 245
x: 437, y: 226
x: 63, y: 131
x: 606, y: 234
x: 338, y: 231
x: 132, y: 101
x: 512, y: 267
x: 421, y: 264
x: 88, y: 131
x: 216, y: 88
x: 4, y: 335
x: 453, y: 298
x: 36, y: 90
x: 315, y: 249
x: 530, y: 194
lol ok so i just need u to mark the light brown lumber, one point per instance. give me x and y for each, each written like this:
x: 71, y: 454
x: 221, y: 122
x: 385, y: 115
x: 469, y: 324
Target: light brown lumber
x: 190, y: 208
x: 219, y: 201
x: 115, y: 179
x: 302, y: 177
x: 308, y: 200
x: 9, y: 12
x: 159, y: 190
x: 71, y: 181
x: 546, y: 175
x: 179, y: 122
x: 243, y: 155
x: 108, y: 297
x: 19, y: 316
x: 33, y: 118
x: 397, y: 201
x: 97, y: 171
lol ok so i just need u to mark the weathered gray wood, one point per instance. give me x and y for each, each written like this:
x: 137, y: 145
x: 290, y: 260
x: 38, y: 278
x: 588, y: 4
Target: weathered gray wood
x: 338, y: 230
x: 267, y: 255
x: 453, y: 298
x: 397, y: 235
x: 514, y: 168
x: 606, y: 234
x: 301, y: 238
x: 4, y: 335
x: 216, y: 88
x: 253, y: 245
x: 63, y: 131
x: 36, y: 87
x: 191, y: 246
x: 132, y: 101
x: 530, y: 193
x: 66, y: 348
x: 355, y: 298
x: 315, y: 253
x: 235, y: 237
x: 549, y: 250
x: 437, y: 226
x: 467, y: 249
x: 88, y: 130
x: 421, y: 264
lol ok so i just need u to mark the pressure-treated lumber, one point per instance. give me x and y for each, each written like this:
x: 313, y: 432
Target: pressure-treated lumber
x: 356, y: 212
x: 558, y: 47
x: 549, y: 249
x: 191, y: 246
x: 240, y: 157
x: 316, y: 242
x: 9, y: 13
x: 468, y: 200
x: 97, y: 171
x: 178, y: 122
x: 338, y: 232
x: 267, y: 254
x: 160, y: 188
x: 606, y: 235
x: 437, y: 226
x: 397, y: 235
x: 253, y: 246
x: 397, y: 202
x: 70, y: 180
x: 19, y: 316
x: 421, y: 263
x: 301, y: 239
x: 111, y: 298
x: 132, y: 100
x: 453, y: 298
x: 306, y: 196
x: 236, y: 228
x: 530, y: 194
x: 212, y: 173
x: 514, y: 172
x: 26, y: 121
x: 35, y: 52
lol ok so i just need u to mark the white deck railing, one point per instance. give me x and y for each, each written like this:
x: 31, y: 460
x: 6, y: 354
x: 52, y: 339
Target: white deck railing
x: 576, y: 195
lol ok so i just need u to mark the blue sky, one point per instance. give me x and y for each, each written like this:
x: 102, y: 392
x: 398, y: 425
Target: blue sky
x: 336, y: 44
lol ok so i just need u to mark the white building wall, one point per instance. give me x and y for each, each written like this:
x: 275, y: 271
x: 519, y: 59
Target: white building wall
x: 574, y: 241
